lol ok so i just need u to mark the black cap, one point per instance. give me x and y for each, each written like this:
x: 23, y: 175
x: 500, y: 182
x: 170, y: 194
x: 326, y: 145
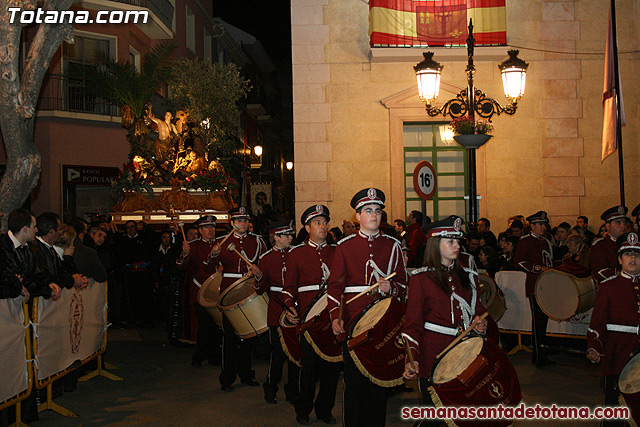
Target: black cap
x: 367, y: 196
x: 206, y: 220
x: 636, y: 210
x: 239, y: 212
x: 282, y: 228
x: 314, y: 211
x: 450, y: 227
x: 538, y: 217
x: 613, y: 213
x: 628, y: 242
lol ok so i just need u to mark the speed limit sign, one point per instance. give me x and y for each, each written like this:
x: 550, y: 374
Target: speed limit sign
x: 424, y: 180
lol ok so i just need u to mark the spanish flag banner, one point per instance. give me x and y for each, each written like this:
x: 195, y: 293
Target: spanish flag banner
x: 406, y: 23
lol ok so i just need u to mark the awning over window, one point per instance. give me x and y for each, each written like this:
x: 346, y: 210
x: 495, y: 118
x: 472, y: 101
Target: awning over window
x: 407, y: 23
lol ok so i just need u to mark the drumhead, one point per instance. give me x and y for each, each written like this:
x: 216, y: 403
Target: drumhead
x: 210, y: 291
x: 487, y: 290
x: 558, y: 294
x: 238, y: 291
x: 371, y: 317
x: 629, y: 381
x: 317, y: 308
x: 457, y: 360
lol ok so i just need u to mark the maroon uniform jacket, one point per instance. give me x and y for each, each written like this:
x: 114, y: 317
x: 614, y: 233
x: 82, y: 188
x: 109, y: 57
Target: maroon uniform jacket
x: 360, y: 261
x: 273, y: 264
x: 308, y: 266
x: 233, y: 267
x: 603, y: 258
x: 199, y: 269
x: 533, y: 253
x: 443, y: 310
x: 415, y: 237
x: 617, y: 307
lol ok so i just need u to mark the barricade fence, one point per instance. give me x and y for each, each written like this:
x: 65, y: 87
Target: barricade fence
x: 15, y: 352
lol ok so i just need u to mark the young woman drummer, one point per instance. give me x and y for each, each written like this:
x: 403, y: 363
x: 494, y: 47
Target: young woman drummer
x: 442, y: 301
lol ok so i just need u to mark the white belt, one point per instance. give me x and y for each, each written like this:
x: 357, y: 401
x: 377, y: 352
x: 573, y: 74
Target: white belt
x: 196, y: 283
x: 445, y: 330
x: 275, y: 289
x: 622, y: 328
x: 233, y: 275
x: 355, y: 289
x: 309, y: 288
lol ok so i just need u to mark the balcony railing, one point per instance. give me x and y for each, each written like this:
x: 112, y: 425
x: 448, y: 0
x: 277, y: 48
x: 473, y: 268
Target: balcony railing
x: 63, y: 93
x: 163, y: 9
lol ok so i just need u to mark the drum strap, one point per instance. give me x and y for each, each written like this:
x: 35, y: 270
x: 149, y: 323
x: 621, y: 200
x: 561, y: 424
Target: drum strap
x: 309, y: 288
x: 275, y: 289
x: 233, y: 275
x: 355, y: 289
x: 622, y: 328
x: 195, y: 282
x: 444, y: 330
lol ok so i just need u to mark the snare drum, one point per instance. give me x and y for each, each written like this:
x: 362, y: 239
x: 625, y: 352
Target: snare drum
x: 245, y: 309
x: 318, y: 332
x: 375, y: 342
x: 562, y: 295
x: 208, y: 297
x: 492, y: 297
x: 289, y: 339
x: 475, y: 372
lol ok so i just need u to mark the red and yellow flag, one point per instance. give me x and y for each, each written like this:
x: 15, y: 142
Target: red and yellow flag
x: 436, y: 22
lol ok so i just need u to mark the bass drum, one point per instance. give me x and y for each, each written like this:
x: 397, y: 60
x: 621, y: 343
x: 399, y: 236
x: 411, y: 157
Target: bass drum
x: 289, y: 339
x: 375, y: 343
x: 208, y: 297
x: 562, y: 295
x: 629, y: 386
x: 475, y: 372
x: 245, y: 309
x: 317, y: 330
x: 492, y: 297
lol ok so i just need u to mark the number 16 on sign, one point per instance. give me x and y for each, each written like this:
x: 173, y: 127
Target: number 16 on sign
x: 424, y: 180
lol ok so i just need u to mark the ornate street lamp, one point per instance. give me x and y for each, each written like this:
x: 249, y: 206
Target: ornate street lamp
x: 471, y: 101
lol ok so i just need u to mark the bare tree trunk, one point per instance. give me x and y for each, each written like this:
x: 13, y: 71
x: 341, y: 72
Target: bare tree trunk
x: 19, y: 96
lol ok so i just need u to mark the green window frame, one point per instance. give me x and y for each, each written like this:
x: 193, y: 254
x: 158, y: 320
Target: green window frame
x: 423, y: 141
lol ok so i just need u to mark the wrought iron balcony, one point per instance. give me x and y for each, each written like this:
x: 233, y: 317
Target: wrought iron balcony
x: 64, y: 93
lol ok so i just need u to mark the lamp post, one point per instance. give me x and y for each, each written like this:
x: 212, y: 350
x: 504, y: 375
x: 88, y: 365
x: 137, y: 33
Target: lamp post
x: 471, y: 101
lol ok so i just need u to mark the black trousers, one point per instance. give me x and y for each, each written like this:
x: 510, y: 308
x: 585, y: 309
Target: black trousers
x: 315, y: 369
x: 276, y: 362
x: 208, y: 337
x: 364, y: 403
x: 611, y: 398
x: 539, y: 322
x: 236, y: 356
x: 140, y: 294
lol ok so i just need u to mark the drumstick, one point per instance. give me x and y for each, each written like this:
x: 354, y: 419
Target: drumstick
x: 282, y: 304
x: 372, y: 287
x: 232, y: 248
x: 462, y: 335
x: 340, y: 309
x: 233, y: 228
x: 406, y: 344
x: 181, y: 225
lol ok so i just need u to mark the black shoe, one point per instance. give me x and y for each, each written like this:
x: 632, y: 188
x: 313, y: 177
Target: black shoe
x: 328, y: 419
x: 226, y: 387
x: 303, y: 420
x: 270, y: 398
x: 251, y: 382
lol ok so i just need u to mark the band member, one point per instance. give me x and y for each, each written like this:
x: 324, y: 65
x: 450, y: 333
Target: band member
x: 197, y: 323
x: 307, y: 273
x: 360, y: 261
x: 603, y: 258
x: 534, y: 256
x: 273, y: 264
x: 442, y: 302
x: 236, y: 352
x: 612, y: 337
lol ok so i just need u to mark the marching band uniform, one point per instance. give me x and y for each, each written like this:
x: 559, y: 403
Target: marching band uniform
x: 613, y: 331
x: 197, y: 324
x: 603, y: 256
x: 273, y: 264
x: 308, y: 268
x: 533, y: 253
x: 359, y: 262
x: 236, y: 352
